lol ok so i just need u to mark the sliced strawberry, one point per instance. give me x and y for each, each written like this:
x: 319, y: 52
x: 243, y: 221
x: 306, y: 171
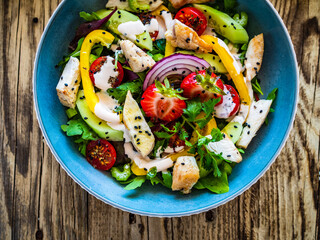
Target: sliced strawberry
x: 162, y: 102
x: 207, y: 89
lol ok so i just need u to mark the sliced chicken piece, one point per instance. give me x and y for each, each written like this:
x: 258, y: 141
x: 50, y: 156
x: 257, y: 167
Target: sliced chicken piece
x: 139, y: 130
x: 254, y: 56
x: 69, y: 83
x: 125, y: 4
x: 242, y: 114
x: 184, y: 37
x: 257, y: 115
x: 138, y: 60
x: 226, y: 147
x: 180, y: 3
x: 185, y: 174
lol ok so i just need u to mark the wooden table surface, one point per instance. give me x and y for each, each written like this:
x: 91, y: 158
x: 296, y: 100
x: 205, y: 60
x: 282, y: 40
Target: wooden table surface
x: 38, y: 200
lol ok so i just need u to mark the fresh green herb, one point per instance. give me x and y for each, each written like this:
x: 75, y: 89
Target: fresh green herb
x: 193, y: 109
x: 271, y: 96
x: 120, y: 92
x: 135, y: 183
x: 83, y: 133
x: 241, y: 150
x: 89, y: 17
x: 208, y: 108
x: 256, y: 86
x: 163, y: 135
x: 159, y: 50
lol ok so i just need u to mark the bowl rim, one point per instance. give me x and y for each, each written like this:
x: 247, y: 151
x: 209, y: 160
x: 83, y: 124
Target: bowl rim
x: 142, y: 213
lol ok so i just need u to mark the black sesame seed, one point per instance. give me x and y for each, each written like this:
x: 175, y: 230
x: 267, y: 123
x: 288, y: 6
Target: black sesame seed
x: 135, y: 127
x: 134, y: 136
x: 162, y: 98
x: 209, y: 17
x: 75, y: 81
x: 106, y: 132
x: 66, y: 84
x: 137, y: 40
x: 231, y: 135
x: 228, y: 156
x: 224, y: 26
x: 100, y: 123
x: 203, y: 91
x: 255, y: 68
x: 183, y: 72
x: 258, y: 63
x: 145, y: 169
x: 232, y: 23
x: 103, y: 32
x: 90, y: 40
x: 139, y: 127
x: 188, y: 40
x: 119, y: 12
x: 213, y: 42
x: 138, y: 143
x: 119, y: 16
x: 138, y: 139
x: 140, y: 131
x: 261, y: 111
x: 198, y: 48
x: 61, y: 77
x: 144, y: 39
x: 85, y: 118
x: 248, y: 132
x: 235, y: 126
x: 72, y: 89
x: 182, y: 163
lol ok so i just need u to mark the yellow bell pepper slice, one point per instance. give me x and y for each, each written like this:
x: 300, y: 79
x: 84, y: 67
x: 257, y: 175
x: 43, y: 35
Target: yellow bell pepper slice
x: 169, y: 49
x: 138, y: 171
x: 228, y: 61
x: 158, y: 10
x: 97, y: 36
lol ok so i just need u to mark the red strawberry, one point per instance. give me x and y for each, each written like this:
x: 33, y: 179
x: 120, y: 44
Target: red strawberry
x: 162, y: 102
x: 202, y: 86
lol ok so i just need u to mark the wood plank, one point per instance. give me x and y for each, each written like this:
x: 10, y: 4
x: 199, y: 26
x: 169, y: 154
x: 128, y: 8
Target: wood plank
x: 8, y: 108
x: 106, y: 222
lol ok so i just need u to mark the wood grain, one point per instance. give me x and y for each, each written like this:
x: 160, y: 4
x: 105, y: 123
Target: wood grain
x: 39, y: 200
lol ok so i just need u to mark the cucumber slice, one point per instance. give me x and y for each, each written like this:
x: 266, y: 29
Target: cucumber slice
x: 233, y: 130
x: 99, y: 126
x: 224, y: 25
x: 213, y: 60
x: 143, y: 40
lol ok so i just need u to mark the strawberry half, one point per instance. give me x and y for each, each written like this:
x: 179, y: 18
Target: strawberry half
x: 204, y: 85
x: 162, y: 102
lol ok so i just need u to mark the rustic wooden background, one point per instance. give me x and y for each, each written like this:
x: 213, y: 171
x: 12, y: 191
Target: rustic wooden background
x: 39, y: 201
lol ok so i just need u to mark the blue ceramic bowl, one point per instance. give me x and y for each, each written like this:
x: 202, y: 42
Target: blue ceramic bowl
x: 279, y: 70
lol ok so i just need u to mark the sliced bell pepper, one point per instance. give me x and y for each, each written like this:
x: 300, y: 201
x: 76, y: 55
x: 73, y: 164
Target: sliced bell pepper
x: 229, y: 62
x: 97, y: 36
x: 138, y: 171
x: 158, y: 10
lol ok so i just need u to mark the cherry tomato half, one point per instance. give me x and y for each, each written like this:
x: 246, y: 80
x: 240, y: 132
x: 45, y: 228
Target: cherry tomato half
x: 96, y: 67
x: 101, y: 154
x: 193, y: 18
x: 235, y: 99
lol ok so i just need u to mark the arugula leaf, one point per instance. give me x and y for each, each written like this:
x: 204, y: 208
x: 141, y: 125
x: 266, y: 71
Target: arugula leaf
x: 167, y: 179
x: 193, y: 109
x: 89, y: 17
x: 162, y: 144
x: 215, y: 184
x: 136, y: 183
x: 273, y: 94
x: 120, y: 92
x: 256, y: 86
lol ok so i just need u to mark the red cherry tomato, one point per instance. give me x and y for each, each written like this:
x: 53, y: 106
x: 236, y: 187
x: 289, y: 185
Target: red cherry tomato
x: 235, y: 99
x: 96, y: 67
x: 193, y: 18
x: 101, y: 154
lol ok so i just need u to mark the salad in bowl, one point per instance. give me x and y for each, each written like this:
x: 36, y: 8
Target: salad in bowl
x: 164, y: 91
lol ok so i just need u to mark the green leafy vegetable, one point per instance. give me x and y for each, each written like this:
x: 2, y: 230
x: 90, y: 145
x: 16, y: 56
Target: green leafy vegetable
x: 83, y: 133
x: 89, y: 17
x: 167, y: 179
x: 208, y: 109
x: 136, y: 183
x: 75, y: 53
x: 215, y: 184
x: 159, y: 50
x: 120, y: 92
x: 256, y: 86
x: 193, y: 109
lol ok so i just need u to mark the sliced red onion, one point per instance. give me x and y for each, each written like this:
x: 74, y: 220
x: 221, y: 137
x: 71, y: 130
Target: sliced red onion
x: 175, y: 64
